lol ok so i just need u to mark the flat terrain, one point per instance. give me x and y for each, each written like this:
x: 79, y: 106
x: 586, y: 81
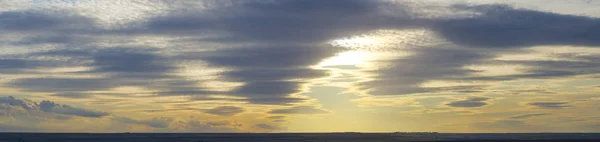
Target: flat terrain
x: 291, y: 137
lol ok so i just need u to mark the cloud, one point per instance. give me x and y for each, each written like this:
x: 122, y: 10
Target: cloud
x: 224, y: 110
x: 162, y: 122
x: 268, y: 127
x: 270, y: 100
x: 223, y: 124
x: 270, y: 21
x: 524, y: 116
x: 53, y: 39
x: 168, y: 124
x: 115, y: 67
x: 36, y: 21
x: 9, y: 103
x: 425, y: 64
x: 276, y: 117
x: 494, y: 30
x: 125, y: 61
x: 549, y: 105
x: 49, y: 106
x: 266, y: 69
x: 470, y: 102
x: 64, y: 84
x: 502, y: 26
x: 23, y: 66
x: 73, y: 95
x: 215, y: 126
x: 291, y: 47
x: 12, y: 64
x: 269, y: 47
x: 298, y: 110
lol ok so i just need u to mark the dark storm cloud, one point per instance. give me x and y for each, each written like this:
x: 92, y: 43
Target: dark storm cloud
x: 470, y: 102
x: 298, y: 110
x: 501, y: 26
x: 549, y: 105
x: 224, y: 110
x: 48, y: 106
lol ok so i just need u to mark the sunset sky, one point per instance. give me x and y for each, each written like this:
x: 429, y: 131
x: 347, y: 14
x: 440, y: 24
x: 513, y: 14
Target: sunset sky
x: 299, y: 65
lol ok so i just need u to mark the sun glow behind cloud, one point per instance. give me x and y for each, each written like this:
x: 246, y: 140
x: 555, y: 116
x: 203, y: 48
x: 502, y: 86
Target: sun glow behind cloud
x: 162, y: 62
x: 353, y: 58
x: 354, y: 42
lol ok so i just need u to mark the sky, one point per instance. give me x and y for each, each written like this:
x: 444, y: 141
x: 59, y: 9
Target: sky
x: 467, y: 66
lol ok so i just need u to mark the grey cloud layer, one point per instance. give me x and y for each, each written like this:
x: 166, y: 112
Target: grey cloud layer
x: 22, y: 115
x: 299, y: 110
x: 549, y: 105
x: 524, y: 116
x: 9, y: 103
x: 224, y: 110
x: 283, y: 38
x: 470, y: 102
x: 19, y: 21
x: 501, y: 26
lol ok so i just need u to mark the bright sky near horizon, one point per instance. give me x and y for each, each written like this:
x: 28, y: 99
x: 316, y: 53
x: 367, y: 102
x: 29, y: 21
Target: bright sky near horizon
x: 299, y: 65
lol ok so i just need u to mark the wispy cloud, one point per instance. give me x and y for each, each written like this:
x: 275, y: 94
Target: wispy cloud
x: 470, y: 102
x: 549, y: 105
